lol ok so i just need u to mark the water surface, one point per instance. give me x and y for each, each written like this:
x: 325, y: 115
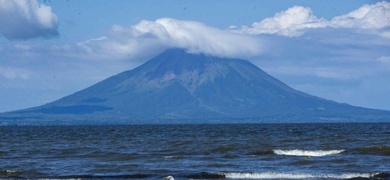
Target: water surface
x: 250, y: 151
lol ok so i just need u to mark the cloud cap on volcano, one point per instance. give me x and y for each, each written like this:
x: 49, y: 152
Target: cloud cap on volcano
x: 165, y: 33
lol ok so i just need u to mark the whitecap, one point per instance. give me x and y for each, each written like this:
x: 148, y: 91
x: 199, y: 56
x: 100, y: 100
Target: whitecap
x: 298, y: 152
x: 276, y: 175
x: 171, y: 157
x: 9, y: 172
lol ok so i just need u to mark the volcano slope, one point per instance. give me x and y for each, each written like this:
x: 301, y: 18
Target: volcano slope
x: 180, y: 87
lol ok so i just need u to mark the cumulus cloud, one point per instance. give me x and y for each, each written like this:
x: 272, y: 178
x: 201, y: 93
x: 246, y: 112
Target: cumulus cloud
x: 292, y: 22
x: 164, y: 33
x: 296, y: 20
x: 371, y: 18
x: 374, y: 16
x: 24, y: 19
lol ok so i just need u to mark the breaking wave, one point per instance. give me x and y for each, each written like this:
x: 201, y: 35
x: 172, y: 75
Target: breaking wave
x: 297, y: 152
x: 7, y: 172
x: 275, y: 175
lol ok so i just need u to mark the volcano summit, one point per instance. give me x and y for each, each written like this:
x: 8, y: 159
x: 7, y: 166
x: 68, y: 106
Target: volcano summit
x: 180, y: 87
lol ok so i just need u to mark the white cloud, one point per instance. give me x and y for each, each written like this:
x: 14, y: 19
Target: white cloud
x: 374, y: 19
x: 374, y: 16
x: 24, y: 19
x: 291, y: 22
x: 384, y: 59
x: 156, y: 36
x: 14, y: 73
x: 295, y: 21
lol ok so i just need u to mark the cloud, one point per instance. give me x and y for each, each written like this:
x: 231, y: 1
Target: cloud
x: 164, y: 33
x: 369, y: 18
x: 292, y: 22
x: 297, y: 20
x: 374, y: 16
x: 24, y: 19
x: 14, y: 73
x: 384, y: 62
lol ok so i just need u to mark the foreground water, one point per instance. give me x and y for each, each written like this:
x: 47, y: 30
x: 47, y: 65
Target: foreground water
x: 259, y: 151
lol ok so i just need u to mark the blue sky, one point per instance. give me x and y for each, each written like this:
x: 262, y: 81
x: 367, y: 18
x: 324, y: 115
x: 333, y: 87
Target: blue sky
x: 53, y: 48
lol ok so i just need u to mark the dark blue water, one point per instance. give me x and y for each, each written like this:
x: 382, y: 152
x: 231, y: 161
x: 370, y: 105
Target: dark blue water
x: 259, y: 151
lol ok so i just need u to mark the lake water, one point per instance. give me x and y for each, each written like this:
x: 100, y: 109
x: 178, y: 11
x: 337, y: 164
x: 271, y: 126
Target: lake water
x: 249, y: 151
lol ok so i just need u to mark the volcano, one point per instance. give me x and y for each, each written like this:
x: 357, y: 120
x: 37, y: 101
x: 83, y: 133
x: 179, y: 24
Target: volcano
x: 180, y: 87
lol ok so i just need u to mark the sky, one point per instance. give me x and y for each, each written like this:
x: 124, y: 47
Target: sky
x: 338, y: 50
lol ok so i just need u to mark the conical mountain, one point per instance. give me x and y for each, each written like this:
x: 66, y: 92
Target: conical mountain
x: 180, y: 87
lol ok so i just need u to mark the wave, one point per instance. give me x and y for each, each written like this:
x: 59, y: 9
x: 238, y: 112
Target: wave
x: 7, y: 172
x: 280, y: 175
x: 275, y: 175
x: 130, y: 176
x: 297, y: 152
x: 261, y: 152
x: 383, y: 150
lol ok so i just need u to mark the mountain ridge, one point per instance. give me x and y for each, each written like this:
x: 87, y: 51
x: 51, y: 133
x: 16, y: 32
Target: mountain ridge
x: 179, y: 87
